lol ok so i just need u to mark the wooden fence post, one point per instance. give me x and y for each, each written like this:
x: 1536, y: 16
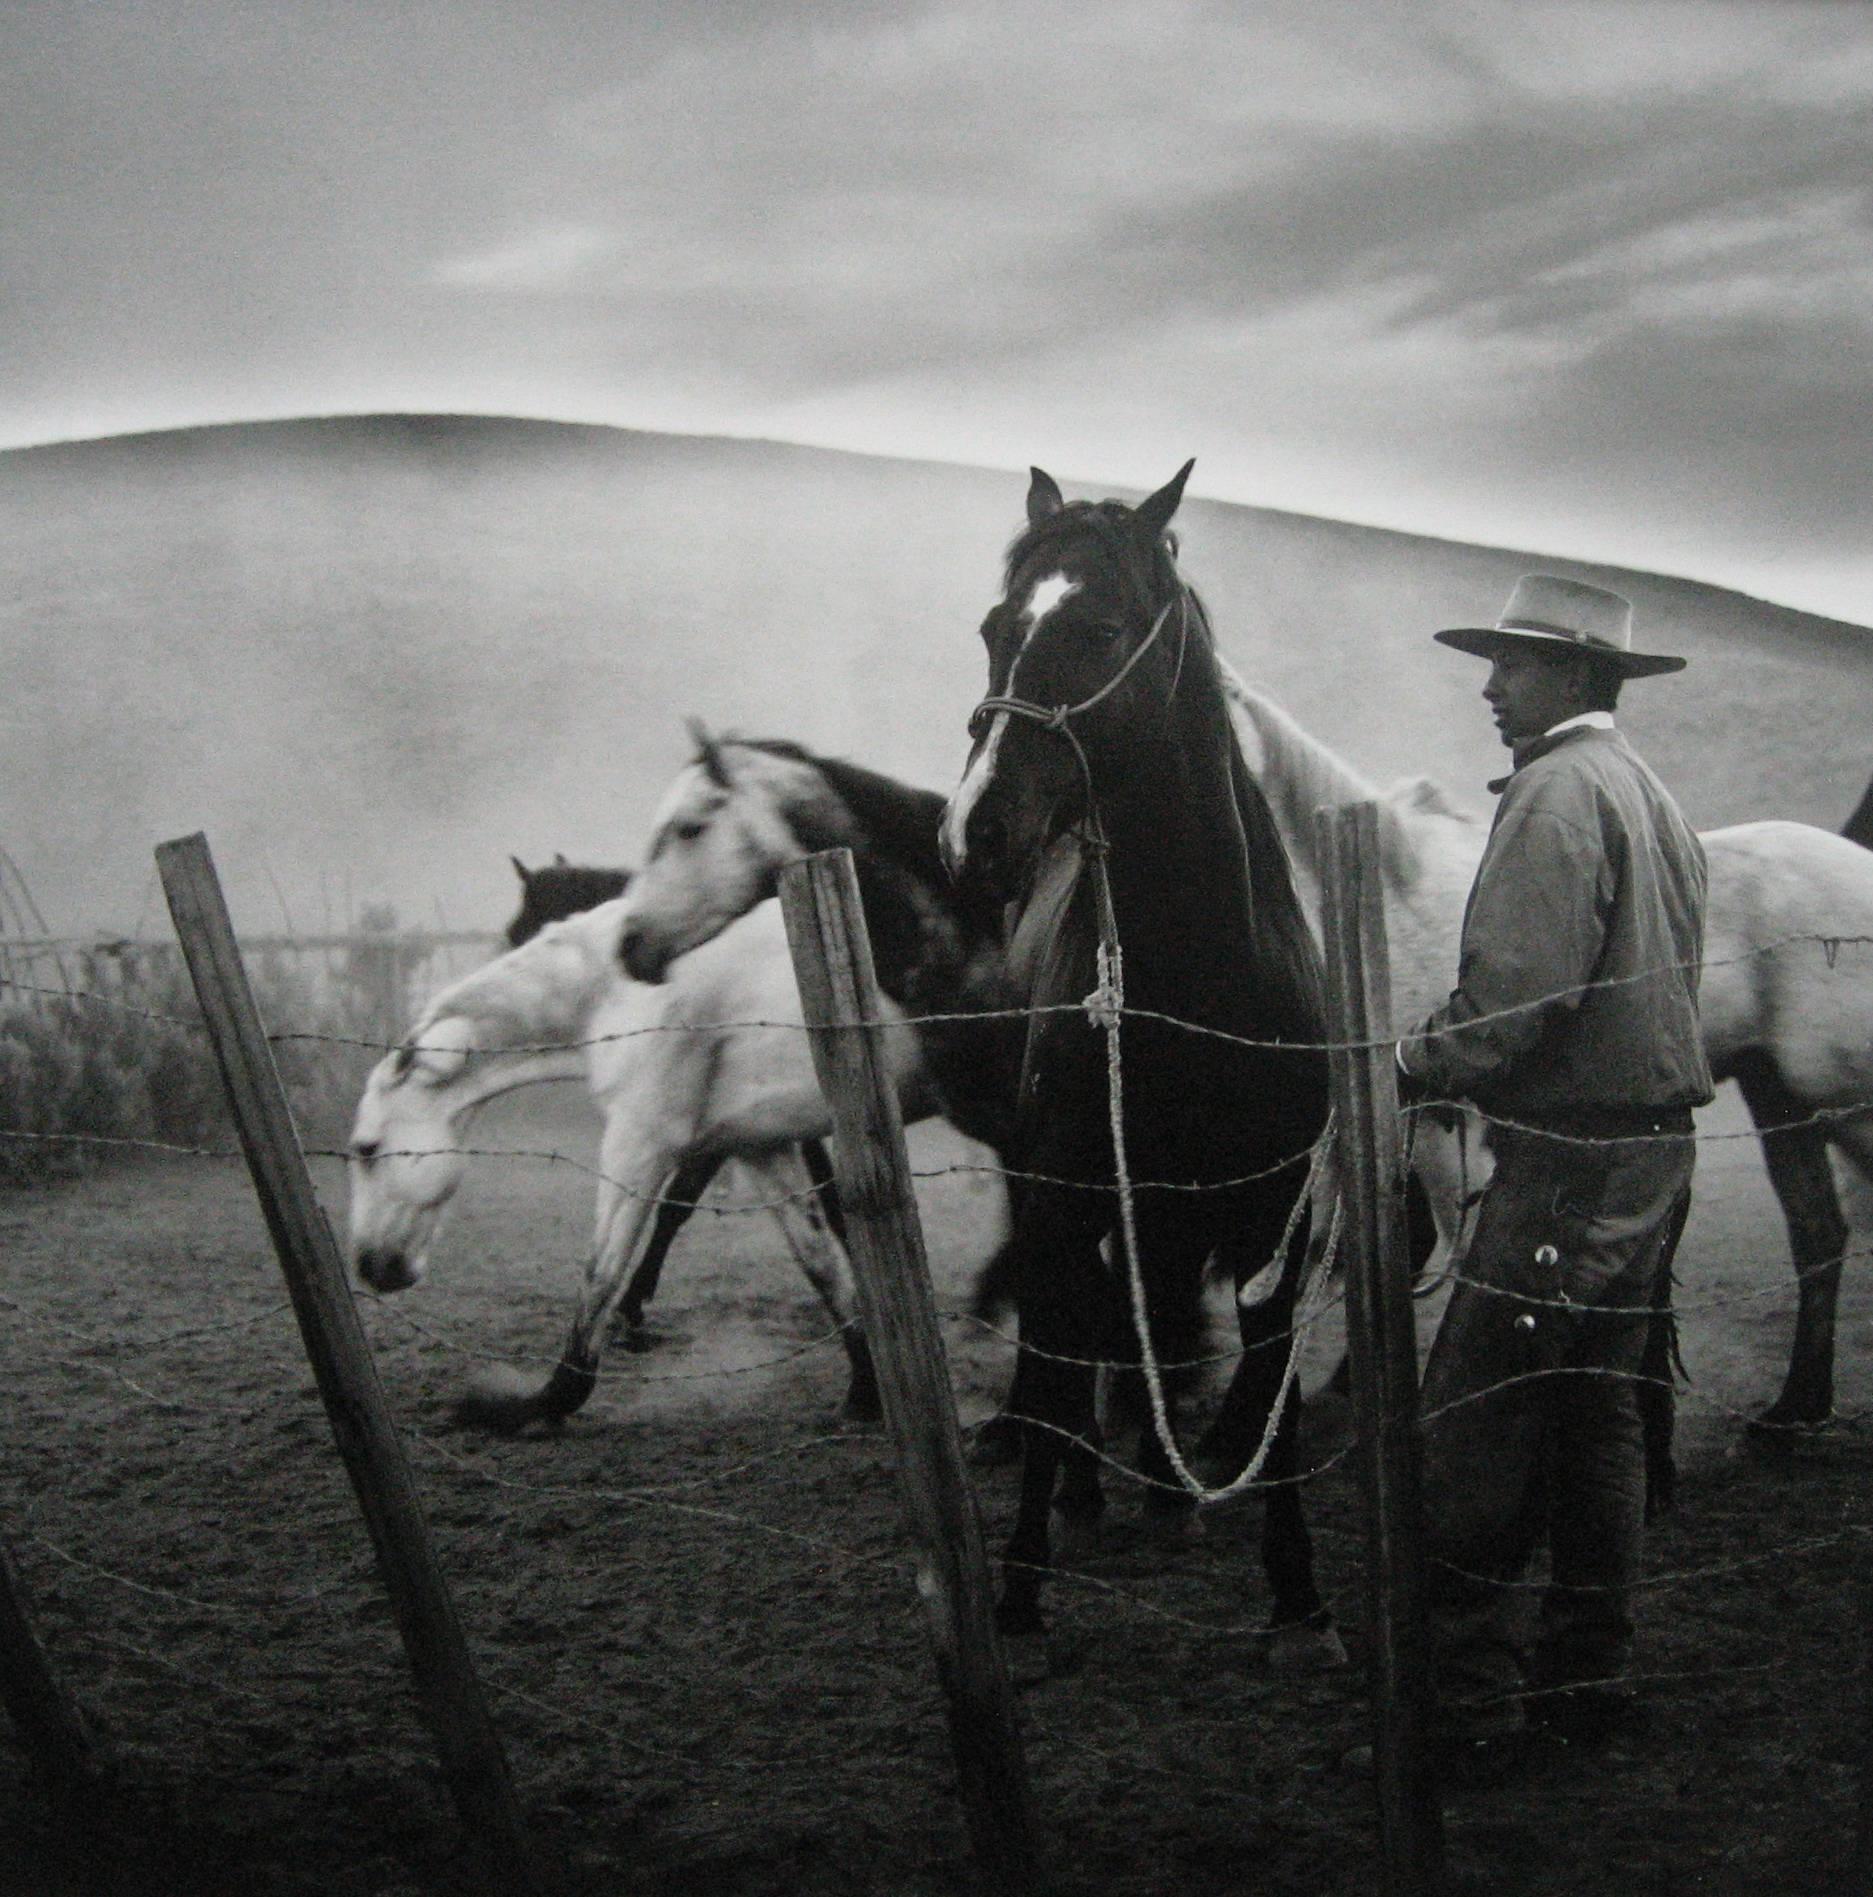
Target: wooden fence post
x: 450, y: 1694
x: 55, y: 1733
x: 839, y: 991
x: 1382, y: 1343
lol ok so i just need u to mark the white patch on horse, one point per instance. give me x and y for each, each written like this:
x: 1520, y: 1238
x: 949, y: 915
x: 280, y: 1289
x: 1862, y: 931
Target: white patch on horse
x: 1045, y: 598
x: 976, y: 779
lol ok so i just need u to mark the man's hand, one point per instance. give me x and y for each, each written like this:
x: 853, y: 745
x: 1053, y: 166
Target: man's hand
x: 1411, y: 1090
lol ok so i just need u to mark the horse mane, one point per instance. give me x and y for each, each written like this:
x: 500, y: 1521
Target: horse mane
x: 1306, y: 774
x: 1282, y: 942
x: 521, y: 997
x: 896, y: 820
x: 1309, y: 774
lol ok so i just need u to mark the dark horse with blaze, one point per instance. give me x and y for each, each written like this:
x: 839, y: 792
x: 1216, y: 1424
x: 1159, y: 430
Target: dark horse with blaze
x: 1107, y: 798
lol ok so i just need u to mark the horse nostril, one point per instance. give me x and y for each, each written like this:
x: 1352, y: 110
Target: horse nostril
x: 384, y: 1270
x: 641, y: 962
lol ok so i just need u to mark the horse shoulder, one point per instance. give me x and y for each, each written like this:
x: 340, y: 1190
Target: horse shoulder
x: 1788, y: 965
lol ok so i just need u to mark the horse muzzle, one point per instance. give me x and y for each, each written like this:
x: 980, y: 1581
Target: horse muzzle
x: 642, y: 959
x: 387, y: 1268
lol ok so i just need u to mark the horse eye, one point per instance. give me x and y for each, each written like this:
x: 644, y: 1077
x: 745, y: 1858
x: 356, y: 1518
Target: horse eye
x: 365, y: 1150
x: 689, y: 830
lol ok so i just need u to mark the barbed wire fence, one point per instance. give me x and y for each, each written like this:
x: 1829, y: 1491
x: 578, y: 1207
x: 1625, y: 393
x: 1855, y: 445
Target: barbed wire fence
x: 98, y: 1354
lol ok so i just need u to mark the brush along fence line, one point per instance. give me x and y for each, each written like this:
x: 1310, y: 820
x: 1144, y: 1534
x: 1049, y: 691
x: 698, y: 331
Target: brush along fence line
x: 101, y: 1037
x: 942, y: 1622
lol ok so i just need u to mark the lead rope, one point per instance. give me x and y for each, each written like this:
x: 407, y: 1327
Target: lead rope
x: 1106, y: 1007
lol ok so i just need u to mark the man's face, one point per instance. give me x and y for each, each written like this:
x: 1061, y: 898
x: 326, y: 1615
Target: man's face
x: 1530, y: 692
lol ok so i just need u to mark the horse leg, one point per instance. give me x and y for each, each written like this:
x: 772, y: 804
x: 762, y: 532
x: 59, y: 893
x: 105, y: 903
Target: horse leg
x: 1301, y: 1634
x: 631, y: 1167
x: 997, y: 1442
x: 824, y: 1263
x: 1058, y: 1268
x: 674, y: 1210
x: 1796, y: 1156
x: 826, y: 1187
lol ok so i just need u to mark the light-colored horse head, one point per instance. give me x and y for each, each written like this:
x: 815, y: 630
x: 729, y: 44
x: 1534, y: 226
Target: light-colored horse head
x: 515, y: 1022
x: 724, y: 830
x: 405, y: 1160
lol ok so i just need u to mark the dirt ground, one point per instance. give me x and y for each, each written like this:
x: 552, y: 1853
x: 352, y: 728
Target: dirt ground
x: 691, y: 1607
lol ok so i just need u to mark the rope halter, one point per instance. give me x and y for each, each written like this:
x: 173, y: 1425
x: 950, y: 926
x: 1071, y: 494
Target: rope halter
x: 1058, y: 718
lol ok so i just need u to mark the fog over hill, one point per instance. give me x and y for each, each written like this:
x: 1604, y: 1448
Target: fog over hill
x: 371, y: 656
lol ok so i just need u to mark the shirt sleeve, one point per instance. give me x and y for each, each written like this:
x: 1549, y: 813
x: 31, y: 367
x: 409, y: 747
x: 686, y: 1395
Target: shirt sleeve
x: 1532, y: 939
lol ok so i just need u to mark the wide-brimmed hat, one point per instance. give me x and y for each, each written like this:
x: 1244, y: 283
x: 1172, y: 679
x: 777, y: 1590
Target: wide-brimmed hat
x: 1545, y: 610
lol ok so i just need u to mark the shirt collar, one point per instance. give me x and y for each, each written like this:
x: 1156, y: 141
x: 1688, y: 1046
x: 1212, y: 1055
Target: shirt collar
x: 1598, y: 720
x: 1541, y: 746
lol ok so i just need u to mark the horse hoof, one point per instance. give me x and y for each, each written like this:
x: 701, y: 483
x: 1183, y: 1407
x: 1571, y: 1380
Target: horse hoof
x: 1076, y: 1537
x: 1779, y: 1436
x: 636, y: 1338
x: 1783, y: 1420
x: 1299, y: 1648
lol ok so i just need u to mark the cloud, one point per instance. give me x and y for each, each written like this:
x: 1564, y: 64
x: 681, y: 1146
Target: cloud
x: 558, y: 257
x: 1323, y: 234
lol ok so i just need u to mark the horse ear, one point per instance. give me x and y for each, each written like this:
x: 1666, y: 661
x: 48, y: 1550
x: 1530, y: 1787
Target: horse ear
x: 1153, y: 514
x: 521, y: 870
x: 709, y: 753
x: 1044, y: 497
x: 560, y: 860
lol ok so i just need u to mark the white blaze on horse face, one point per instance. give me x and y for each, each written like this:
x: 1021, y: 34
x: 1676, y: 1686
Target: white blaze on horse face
x: 953, y: 832
x: 1045, y: 597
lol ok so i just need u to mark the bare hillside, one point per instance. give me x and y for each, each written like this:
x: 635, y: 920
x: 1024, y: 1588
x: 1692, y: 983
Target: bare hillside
x: 371, y: 656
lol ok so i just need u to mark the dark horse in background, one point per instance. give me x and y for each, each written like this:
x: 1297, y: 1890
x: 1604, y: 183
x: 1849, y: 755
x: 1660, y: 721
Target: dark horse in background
x: 557, y: 890
x: 1105, y: 744
x: 560, y: 889
x: 1859, y: 827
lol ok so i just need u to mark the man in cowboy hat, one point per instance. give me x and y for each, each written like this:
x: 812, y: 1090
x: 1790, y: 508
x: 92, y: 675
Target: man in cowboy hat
x: 1573, y: 1027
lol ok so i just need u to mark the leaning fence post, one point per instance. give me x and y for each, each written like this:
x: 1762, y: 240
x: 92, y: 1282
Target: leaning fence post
x: 450, y: 1694
x: 57, y: 1737
x: 839, y: 991
x: 1382, y: 1343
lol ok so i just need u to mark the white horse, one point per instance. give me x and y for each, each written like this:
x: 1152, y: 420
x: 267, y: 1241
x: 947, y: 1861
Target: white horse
x: 1786, y: 1000
x: 711, y: 1064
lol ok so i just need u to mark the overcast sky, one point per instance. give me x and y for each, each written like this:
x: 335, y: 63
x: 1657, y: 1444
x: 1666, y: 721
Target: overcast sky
x: 1591, y: 277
